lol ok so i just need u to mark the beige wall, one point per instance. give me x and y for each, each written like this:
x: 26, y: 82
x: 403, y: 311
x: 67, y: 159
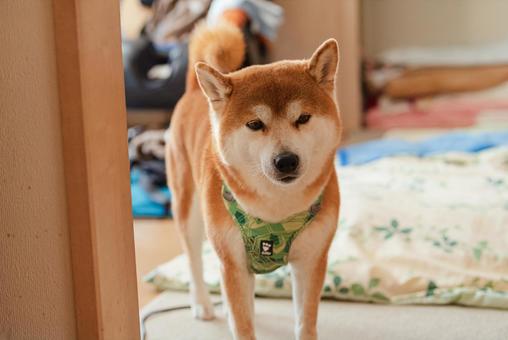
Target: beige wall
x: 36, y: 298
x: 401, y: 23
x: 306, y: 25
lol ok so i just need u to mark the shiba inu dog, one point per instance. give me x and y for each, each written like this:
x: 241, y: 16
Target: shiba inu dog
x: 251, y: 153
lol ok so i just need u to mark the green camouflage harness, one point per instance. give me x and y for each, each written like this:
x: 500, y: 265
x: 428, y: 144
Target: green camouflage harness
x: 267, y: 244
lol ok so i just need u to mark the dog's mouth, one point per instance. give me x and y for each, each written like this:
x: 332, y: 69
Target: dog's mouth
x: 284, y: 179
x: 287, y: 179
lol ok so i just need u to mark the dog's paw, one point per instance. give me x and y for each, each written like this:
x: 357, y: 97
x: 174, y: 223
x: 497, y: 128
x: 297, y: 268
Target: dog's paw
x: 203, y: 311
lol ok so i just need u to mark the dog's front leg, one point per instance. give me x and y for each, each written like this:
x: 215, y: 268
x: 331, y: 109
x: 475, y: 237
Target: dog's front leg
x: 238, y: 285
x: 237, y: 282
x: 308, y: 276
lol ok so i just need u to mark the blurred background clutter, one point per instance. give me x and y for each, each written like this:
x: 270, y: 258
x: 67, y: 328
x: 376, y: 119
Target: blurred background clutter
x: 155, y: 50
x: 434, y: 64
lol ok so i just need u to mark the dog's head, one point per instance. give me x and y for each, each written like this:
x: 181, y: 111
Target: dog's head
x: 278, y: 122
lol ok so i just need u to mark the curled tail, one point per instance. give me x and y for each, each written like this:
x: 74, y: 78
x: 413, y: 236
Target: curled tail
x: 221, y: 46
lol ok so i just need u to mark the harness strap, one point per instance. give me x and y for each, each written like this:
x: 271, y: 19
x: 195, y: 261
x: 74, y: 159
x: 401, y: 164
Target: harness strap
x: 267, y: 244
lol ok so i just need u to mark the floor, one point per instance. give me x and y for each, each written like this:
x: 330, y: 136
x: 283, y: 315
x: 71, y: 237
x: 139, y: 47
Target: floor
x: 156, y: 241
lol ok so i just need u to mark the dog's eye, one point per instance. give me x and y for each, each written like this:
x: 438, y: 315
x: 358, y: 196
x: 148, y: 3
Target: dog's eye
x: 255, y: 125
x: 303, y: 119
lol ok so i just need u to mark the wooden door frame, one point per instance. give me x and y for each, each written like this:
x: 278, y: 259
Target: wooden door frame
x: 94, y: 124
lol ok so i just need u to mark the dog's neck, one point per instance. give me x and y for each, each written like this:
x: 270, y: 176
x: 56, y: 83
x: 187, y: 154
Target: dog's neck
x: 271, y: 202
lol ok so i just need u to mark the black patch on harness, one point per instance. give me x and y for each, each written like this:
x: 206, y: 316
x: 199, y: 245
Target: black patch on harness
x: 266, y: 248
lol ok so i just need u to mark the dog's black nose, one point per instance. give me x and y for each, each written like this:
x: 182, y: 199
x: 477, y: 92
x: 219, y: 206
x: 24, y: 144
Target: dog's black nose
x: 286, y: 162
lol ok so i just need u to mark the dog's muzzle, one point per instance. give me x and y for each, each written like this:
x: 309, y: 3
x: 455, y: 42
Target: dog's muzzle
x: 286, y: 165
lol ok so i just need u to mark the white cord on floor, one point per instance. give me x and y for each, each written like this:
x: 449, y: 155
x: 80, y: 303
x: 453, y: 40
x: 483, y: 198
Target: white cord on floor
x: 144, y: 319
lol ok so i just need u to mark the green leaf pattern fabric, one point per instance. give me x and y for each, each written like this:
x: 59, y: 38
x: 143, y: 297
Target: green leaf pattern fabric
x: 255, y: 231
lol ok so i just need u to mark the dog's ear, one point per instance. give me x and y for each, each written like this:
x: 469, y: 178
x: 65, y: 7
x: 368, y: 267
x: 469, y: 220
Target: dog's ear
x: 323, y: 64
x: 216, y: 86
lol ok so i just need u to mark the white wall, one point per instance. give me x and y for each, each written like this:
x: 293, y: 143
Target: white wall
x: 36, y: 294
x: 402, y: 23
